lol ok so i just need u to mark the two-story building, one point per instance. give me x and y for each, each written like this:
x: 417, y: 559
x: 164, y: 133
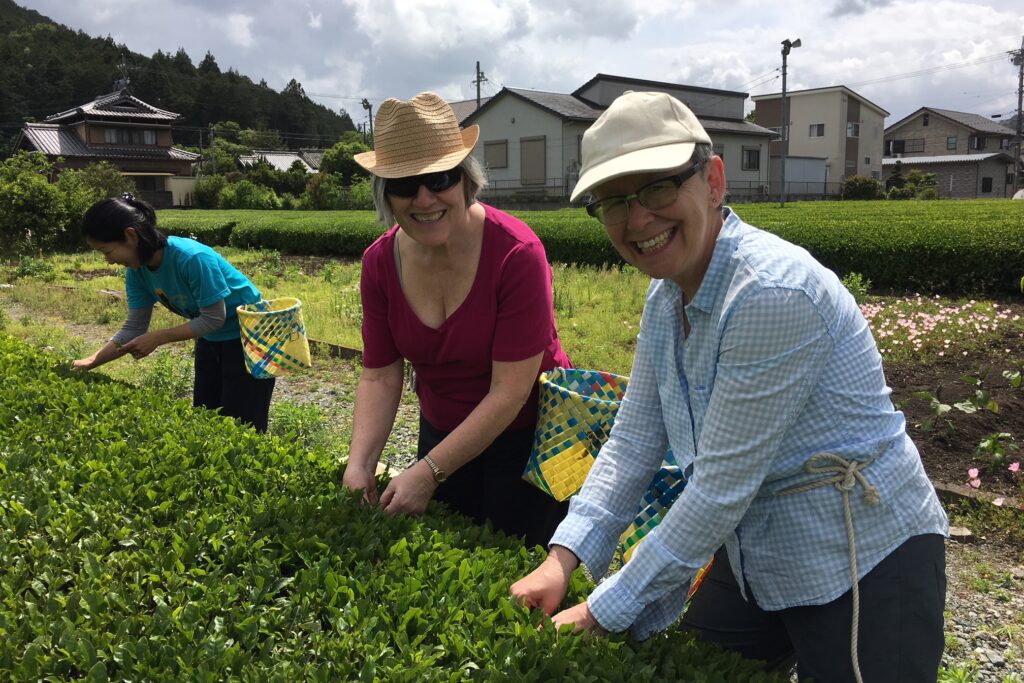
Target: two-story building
x: 530, y: 140
x: 121, y: 129
x: 969, y: 154
x: 833, y: 133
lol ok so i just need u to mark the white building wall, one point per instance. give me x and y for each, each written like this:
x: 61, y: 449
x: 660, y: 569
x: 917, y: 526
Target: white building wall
x: 512, y: 119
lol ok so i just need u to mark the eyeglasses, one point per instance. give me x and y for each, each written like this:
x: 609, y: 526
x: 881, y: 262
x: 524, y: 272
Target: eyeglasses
x: 435, y: 182
x: 654, y: 195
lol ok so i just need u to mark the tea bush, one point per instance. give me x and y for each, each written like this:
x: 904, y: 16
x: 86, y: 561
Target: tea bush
x: 141, y: 539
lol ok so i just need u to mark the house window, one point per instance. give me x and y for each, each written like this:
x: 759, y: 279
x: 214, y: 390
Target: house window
x: 496, y: 154
x: 915, y: 145
x: 986, y: 184
x: 817, y: 130
x: 853, y: 130
x: 719, y: 151
x: 867, y: 161
x: 894, y: 147
x: 851, y: 163
x: 877, y: 175
x: 751, y: 159
x: 1004, y: 143
x: 951, y: 143
x: 924, y: 120
x: 977, y: 142
x: 129, y: 136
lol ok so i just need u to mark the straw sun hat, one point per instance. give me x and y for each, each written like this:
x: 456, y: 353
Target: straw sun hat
x: 417, y: 136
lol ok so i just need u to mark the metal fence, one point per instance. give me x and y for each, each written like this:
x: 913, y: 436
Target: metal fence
x: 555, y: 192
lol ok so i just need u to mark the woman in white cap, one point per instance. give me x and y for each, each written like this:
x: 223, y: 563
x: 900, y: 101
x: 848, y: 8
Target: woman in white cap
x: 463, y: 292
x: 756, y: 367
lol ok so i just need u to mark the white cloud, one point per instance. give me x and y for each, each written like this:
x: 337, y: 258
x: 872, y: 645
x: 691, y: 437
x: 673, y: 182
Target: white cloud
x: 239, y: 29
x: 315, y: 21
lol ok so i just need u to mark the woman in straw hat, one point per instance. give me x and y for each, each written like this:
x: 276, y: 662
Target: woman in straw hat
x: 757, y: 368
x: 463, y: 292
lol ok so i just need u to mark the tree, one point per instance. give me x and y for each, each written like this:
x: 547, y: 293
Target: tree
x: 340, y: 159
x: 208, y: 65
x: 35, y: 215
x: 260, y: 138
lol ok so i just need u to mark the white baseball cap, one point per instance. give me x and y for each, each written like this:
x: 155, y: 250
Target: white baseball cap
x: 640, y: 132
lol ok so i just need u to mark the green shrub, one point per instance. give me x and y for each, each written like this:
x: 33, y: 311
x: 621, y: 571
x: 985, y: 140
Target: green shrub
x: 208, y: 189
x: 35, y: 215
x: 325, y: 192
x: 900, y: 193
x: 858, y: 286
x: 248, y: 195
x: 861, y: 187
x: 142, y: 539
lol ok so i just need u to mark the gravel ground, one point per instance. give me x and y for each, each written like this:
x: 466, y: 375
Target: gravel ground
x: 985, y: 596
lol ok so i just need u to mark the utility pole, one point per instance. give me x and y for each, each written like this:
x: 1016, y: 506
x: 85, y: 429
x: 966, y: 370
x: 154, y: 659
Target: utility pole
x: 787, y: 45
x: 369, y: 108
x: 213, y: 152
x: 480, y: 78
x: 1018, y: 59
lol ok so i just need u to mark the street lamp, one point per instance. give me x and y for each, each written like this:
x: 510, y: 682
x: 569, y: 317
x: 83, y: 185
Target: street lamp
x: 369, y: 108
x: 787, y: 45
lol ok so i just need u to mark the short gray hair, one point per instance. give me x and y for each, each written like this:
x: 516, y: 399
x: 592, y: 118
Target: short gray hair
x: 474, y: 180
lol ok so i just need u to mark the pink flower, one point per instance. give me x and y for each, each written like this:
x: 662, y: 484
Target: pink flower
x: 975, y: 480
x: 1014, y: 467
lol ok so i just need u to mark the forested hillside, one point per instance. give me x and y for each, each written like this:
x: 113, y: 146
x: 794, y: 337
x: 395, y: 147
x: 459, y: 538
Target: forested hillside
x: 46, y: 68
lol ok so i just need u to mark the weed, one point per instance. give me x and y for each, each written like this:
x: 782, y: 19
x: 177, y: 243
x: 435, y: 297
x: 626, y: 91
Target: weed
x: 981, y: 400
x: 968, y: 673
x: 170, y: 374
x: 304, y: 423
x: 937, y: 407
x: 858, y: 286
x: 1015, y: 376
x: 994, y: 447
x: 40, y: 268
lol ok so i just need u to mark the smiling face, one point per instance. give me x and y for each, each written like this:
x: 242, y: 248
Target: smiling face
x: 675, y: 242
x: 124, y: 253
x: 430, y: 217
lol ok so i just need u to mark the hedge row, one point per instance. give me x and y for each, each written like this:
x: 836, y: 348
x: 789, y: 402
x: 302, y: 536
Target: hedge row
x: 953, y: 247
x: 144, y: 540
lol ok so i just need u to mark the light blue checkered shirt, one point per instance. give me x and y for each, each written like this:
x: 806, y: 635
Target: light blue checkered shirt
x: 779, y: 365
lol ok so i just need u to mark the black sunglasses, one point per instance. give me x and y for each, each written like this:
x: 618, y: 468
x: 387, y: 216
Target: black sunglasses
x: 654, y: 195
x: 435, y: 182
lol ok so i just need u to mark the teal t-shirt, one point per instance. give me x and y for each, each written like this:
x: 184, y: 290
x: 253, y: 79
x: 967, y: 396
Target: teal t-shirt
x: 192, y: 275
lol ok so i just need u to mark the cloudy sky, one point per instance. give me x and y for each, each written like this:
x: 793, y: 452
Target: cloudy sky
x: 900, y: 54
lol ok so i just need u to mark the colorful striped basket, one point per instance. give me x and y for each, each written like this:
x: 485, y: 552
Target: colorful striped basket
x: 576, y: 411
x: 273, y: 337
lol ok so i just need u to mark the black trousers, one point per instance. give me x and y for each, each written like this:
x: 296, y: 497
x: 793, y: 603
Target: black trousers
x: 223, y: 382
x: 490, y: 487
x: 901, y: 629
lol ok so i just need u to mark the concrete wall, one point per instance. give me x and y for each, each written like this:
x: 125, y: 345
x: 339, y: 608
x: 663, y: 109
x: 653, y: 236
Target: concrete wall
x: 964, y: 180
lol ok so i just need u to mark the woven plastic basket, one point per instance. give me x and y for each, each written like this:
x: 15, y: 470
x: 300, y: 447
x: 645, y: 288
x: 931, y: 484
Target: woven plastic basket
x: 274, y: 337
x: 577, y: 409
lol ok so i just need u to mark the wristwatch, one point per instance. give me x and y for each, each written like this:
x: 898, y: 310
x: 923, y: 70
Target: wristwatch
x: 439, y: 475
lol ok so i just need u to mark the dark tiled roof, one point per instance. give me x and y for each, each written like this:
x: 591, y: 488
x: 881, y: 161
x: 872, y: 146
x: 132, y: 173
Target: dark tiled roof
x: 119, y: 105
x: 975, y: 121
x: 312, y: 157
x: 56, y: 140
x: 561, y: 104
x: 657, y: 84
x: 734, y: 126
x: 464, y: 108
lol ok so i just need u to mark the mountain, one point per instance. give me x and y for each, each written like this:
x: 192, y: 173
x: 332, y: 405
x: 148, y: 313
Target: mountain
x: 46, y: 68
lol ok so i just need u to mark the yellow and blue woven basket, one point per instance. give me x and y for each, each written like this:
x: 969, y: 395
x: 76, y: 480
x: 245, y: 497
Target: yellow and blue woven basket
x: 273, y: 337
x: 576, y: 412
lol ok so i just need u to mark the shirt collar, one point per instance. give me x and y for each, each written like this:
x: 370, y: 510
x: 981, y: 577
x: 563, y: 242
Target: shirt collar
x: 714, y: 279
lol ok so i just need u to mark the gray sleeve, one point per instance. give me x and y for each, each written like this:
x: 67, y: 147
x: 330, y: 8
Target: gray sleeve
x: 210, y: 318
x: 136, y: 324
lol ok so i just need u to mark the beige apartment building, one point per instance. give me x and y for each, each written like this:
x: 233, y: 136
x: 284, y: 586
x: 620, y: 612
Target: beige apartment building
x: 833, y: 132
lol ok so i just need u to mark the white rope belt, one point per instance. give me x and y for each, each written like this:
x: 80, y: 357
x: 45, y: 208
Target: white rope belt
x: 846, y: 474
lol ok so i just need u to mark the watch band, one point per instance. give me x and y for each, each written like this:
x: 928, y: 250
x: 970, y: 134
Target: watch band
x: 439, y: 475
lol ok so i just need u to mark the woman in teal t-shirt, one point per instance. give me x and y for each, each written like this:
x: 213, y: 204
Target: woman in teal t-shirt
x: 191, y: 280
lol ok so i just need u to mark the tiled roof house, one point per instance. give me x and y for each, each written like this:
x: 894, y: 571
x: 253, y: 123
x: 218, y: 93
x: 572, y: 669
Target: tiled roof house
x: 121, y: 129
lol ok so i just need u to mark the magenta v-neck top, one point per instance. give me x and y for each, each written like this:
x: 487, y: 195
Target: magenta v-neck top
x: 507, y: 316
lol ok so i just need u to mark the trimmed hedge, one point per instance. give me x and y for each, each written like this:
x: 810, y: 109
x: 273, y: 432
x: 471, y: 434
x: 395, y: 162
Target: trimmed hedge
x: 954, y: 247
x: 141, y: 539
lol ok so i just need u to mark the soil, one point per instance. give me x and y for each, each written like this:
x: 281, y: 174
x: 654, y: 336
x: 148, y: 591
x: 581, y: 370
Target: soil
x: 949, y: 444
